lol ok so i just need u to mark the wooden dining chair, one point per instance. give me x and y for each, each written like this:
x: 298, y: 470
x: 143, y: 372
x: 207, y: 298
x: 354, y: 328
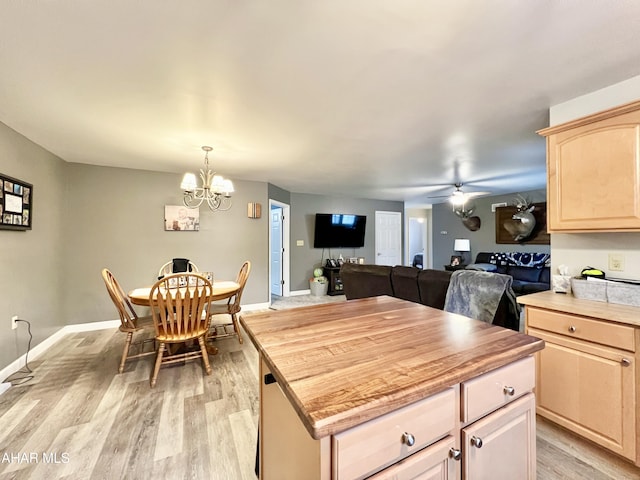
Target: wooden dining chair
x: 231, y: 307
x: 130, y: 322
x: 177, y: 265
x: 179, y: 317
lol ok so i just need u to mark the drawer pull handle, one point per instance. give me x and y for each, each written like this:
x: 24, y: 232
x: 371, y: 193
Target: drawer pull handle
x: 476, y: 442
x: 509, y: 391
x: 625, y: 362
x: 455, y: 453
x: 572, y: 329
x: 408, y: 439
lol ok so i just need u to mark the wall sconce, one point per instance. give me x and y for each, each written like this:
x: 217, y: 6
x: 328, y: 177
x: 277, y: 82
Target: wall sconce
x: 254, y: 210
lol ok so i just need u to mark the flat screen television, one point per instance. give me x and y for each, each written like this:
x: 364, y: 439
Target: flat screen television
x: 339, y: 230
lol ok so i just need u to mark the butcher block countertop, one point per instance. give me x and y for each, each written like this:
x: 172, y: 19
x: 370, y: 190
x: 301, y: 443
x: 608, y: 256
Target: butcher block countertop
x: 612, y: 312
x: 342, y: 364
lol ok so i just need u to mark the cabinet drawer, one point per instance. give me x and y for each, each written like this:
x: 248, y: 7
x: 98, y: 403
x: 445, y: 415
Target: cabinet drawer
x: 367, y: 448
x: 490, y: 391
x: 605, y: 333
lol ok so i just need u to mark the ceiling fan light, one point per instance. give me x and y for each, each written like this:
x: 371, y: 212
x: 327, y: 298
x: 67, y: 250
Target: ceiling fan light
x: 458, y: 200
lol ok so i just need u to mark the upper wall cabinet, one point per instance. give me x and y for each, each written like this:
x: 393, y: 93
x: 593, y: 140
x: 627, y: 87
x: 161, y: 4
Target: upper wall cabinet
x: 593, y: 168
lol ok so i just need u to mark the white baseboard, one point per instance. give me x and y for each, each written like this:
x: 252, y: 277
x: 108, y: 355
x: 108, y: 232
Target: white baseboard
x: 48, y: 342
x: 88, y: 327
x: 4, y: 387
x: 256, y: 306
x: 295, y: 293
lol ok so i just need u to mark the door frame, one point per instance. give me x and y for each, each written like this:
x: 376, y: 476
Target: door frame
x: 286, y: 274
x: 425, y: 216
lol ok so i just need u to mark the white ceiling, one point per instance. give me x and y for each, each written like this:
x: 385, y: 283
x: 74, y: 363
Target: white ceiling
x: 363, y: 98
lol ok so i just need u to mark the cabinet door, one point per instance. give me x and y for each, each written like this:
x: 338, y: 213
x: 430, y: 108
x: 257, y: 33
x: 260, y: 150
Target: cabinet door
x: 589, y: 389
x: 433, y: 463
x: 593, y: 174
x: 502, y: 446
x: 287, y: 451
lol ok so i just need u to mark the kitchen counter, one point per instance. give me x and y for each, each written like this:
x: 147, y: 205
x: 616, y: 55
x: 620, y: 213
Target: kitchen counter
x: 612, y: 312
x: 342, y: 364
x: 590, y: 359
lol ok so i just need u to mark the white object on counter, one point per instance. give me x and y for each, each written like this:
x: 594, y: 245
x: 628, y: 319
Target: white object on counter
x: 561, y: 283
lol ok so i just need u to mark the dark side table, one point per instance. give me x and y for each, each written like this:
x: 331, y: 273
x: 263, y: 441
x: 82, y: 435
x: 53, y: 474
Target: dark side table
x: 453, y: 268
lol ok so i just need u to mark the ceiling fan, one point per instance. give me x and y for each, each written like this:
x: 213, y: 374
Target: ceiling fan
x: 458, y: 197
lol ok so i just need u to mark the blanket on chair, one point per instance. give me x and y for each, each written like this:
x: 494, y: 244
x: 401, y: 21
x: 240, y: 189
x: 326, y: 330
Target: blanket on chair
x: 477, y: 294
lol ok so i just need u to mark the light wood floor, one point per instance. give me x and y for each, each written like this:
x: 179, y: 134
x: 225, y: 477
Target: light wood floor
x: 107, y: 426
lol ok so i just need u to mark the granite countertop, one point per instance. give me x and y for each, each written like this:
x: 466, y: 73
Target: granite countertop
x: 624, y: 314
x: 345, y: 363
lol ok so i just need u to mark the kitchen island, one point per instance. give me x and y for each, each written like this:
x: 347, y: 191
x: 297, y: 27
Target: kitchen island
x: 386, y: 387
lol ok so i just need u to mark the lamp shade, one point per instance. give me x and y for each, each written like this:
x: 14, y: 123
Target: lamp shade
x: 188, y: 182
x: 461, y: 245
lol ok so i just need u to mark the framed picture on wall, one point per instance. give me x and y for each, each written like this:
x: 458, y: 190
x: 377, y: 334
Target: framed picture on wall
x: 178, y: 218
x: 16, y: 204
x: 507, y: 227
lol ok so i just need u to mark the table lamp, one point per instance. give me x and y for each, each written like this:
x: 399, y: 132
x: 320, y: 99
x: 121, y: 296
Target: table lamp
x: 462, y: 245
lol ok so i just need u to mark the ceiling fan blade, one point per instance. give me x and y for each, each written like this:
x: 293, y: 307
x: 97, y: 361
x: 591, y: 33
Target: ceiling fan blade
x: 476, y: 194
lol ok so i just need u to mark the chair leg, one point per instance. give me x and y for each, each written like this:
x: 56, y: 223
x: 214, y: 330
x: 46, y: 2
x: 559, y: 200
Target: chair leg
x: 156, y: 367
x: 125, y: 352
x: 236, y: 327
x: 205, y: 355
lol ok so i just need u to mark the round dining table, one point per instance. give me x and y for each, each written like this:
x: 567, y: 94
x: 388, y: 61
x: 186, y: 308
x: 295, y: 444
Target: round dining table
x: 221, y: 290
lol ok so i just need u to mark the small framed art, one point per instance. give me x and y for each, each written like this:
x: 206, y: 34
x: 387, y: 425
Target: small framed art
x: 181, y: 219
x: 16, y: 204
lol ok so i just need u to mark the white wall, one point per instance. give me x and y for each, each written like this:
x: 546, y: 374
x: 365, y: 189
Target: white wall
x: 578, y: 250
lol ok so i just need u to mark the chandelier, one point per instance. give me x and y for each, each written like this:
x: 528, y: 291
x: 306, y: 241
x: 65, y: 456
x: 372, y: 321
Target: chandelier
x: 215, y: 189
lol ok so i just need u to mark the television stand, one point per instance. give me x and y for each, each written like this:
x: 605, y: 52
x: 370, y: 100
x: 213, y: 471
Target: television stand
x: 335, y: 281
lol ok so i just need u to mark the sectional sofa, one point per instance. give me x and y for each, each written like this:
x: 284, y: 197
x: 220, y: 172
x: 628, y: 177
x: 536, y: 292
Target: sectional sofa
x: 530, y: 271
x: 428, y: 287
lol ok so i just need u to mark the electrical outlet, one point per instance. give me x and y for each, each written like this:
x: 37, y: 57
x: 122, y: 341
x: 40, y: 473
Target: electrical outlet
x: 14, y: 322
x: 616, y: 262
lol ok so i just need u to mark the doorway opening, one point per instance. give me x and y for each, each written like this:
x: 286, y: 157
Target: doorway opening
x: 278, y: 249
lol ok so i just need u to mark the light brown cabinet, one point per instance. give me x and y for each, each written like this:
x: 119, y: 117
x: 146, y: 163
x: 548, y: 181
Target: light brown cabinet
x: 586, y: 376
x: 593, y: 172
x: 483, y: 428
x: 503, y: 444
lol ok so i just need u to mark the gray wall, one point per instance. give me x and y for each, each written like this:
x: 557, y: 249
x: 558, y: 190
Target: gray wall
x: 32, y: 261
x: 303, y: 209
x: 88, y: 217
x: 482, y: 240
x: 116, y: 221
x: 279, y: 194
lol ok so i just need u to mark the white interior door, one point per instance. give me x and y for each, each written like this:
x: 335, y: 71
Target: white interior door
x: 388, y: 238
x: 276, y: 250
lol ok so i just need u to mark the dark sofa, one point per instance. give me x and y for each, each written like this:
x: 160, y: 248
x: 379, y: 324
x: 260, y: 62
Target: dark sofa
x: 533, y: 277
x: 428, y: 287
